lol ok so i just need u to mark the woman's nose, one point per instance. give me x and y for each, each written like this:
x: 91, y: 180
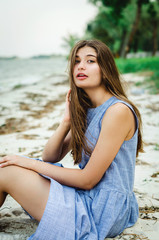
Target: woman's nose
x: 81, y: 65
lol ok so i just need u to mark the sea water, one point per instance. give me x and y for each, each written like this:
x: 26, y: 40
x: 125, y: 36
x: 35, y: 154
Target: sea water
x: 18, y: 72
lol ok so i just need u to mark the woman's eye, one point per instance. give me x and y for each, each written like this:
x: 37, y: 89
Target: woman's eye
x: 77, y: 61
x: 91, y: 61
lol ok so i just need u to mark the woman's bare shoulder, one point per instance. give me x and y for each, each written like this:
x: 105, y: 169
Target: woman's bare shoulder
x: 120, y: 115
x: 119, y: 110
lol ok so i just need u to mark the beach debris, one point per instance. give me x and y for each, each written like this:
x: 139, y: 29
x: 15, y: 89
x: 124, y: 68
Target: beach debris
x: 23, y: 106
x: 15, y: 226
x: 36, y: 154
x: 21, y: 149
x: 141, y: 162
x: 34, y: 96
x: 153, y: 107
x: 2, y: 109
x: 154, y: 175
x: 147, y: 209
x: 13, y: 125
x: 48, y: 107
x: 54, y: 126
x: 28, y: 136
x: 133, y: 236
x: 147, y: 213
x: 17, y: 212
x: 2, y: 155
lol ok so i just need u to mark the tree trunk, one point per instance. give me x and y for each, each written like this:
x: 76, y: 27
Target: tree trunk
x: 134, y: 27
x: 154, y: 38
x: 123, y: 44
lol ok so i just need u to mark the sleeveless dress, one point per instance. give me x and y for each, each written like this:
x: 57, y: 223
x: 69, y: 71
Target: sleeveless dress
x: 105, y: 210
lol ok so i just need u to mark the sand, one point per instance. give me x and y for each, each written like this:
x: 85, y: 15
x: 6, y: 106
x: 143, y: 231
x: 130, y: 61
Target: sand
x: 29, y: 116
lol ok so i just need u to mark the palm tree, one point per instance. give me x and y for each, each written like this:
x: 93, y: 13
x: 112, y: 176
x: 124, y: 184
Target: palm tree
x: 69, y: 41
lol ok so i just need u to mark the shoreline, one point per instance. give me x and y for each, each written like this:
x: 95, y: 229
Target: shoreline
x: 28, y: 118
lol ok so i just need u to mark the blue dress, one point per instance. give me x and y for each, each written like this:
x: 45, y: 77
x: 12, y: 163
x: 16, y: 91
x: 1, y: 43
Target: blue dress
x: 105, y: 210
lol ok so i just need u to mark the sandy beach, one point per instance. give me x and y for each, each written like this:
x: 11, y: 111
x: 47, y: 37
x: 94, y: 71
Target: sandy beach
x: 28, y: 117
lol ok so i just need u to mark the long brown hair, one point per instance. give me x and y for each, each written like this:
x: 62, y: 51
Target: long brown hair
x: 80, y: 101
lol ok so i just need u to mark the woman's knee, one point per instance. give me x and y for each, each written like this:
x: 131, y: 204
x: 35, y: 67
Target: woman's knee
x: 3, y: 174
x: 8, y: 175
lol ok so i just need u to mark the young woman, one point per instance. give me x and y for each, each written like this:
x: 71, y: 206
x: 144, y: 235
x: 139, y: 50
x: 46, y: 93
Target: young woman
x: 102, y: 129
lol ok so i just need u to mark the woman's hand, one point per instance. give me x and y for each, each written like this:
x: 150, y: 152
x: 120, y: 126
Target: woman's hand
x: 17, y: 161
x: 66, y: 117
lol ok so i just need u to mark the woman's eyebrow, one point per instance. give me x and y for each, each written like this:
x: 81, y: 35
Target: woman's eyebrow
x: 88, y: 55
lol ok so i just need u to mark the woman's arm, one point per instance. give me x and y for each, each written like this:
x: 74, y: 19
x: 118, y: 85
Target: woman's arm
x: 58, y: 144
x: 118, y: 125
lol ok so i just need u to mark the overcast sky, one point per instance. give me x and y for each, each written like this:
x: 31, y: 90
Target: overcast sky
x: 32, y: 27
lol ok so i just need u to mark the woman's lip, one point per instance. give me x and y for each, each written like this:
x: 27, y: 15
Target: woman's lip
x: 81, y: 77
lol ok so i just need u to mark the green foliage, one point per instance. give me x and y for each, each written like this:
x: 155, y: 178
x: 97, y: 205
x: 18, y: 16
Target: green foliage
x: 156, y: 148
x: 139, y: 83
x: 69, y: 41
x: 138, y: 64
x: 114, y: 25
x: 112, y: 29
x: 155, y: 79
x: 144, y: 39
x: 141, y: 65
x: 105, y: 28
x: 117, y: 6
x: 99, y: 28
x: 18, y: 86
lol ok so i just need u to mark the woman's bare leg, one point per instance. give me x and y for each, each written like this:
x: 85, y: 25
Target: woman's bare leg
x: 27, y: 187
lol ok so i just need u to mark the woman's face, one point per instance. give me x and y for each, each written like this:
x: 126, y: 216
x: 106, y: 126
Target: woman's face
x: 87, y: 73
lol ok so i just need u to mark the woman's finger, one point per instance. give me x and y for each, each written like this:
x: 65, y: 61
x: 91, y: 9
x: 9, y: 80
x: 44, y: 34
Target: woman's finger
x: 5, y: 163
x: 68, y: 96
x: 7, y: 160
